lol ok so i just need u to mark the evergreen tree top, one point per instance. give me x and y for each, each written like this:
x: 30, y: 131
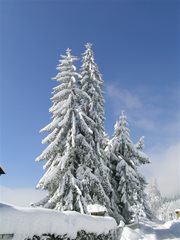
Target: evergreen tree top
x: 121, y: 127
x: 88, y: 45
x: 66, y: 69
x: 123, y: 119
x: 140, y: 144
x: 68, y: 58
x: 88, y: 55
x: 68, y: 52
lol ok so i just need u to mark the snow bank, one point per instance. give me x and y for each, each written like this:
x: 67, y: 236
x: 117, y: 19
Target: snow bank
x: 148, y: 230
x: 27, y: 222
x: 130, y: 234
x: 92, y: 208
x: 174, y: 227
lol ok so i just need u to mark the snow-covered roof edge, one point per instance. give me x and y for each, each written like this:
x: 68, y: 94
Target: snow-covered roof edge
x: 177, y: 210
x: 96, y: 208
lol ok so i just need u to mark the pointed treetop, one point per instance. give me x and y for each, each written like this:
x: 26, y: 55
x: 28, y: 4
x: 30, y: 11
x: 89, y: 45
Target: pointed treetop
x: 123, y: 118
x: 68, y: 52
x: 123, y: 114
x: 88, y: 45
x: 121, y: 126
x: 140, y: 144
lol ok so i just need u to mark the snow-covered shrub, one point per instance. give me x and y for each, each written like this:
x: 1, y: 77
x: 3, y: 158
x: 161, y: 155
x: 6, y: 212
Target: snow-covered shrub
x: 82, y: 235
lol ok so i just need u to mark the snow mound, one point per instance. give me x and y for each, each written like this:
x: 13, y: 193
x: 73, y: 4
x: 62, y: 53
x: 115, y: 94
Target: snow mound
x: 27, y: 222
x: 130, y: 234
x: 174, y: 227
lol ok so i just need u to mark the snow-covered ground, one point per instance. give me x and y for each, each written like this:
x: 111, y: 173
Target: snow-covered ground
x: 26, y: 222
x: 148, y: 230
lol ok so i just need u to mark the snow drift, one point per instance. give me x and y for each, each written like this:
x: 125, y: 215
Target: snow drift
x: 27, y: 222
x: 174, y: 227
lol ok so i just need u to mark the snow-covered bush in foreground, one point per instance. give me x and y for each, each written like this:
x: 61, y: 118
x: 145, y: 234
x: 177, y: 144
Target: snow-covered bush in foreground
x: 33, y: 223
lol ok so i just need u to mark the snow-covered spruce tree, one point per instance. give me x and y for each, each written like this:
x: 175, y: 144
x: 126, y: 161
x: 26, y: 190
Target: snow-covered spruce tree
x: 126, y: 180
x: 69, y: 179
x: 141, y: 159
x: 153, y: 197
x: 91, y: 82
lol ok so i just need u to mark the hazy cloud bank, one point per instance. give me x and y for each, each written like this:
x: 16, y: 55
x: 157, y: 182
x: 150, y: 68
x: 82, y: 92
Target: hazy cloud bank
x: 165, y: 167
x: 20, y: 196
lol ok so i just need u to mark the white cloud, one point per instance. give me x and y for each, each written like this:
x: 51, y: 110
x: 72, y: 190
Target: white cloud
x: 127, y: 98
x: 145, y: 124
x: 20, y: 196
x: 165, y: 167
x: 141, y: 114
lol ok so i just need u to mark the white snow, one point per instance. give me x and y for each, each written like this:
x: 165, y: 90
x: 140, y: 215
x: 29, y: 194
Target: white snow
x: 174, y: 227
x: 26, y: 222
x: 130, y: 234
x: 177, y: 210
x: 148, y: 230
x: 96, y: 208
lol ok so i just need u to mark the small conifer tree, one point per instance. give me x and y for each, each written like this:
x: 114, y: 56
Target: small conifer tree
x: 123, y: 156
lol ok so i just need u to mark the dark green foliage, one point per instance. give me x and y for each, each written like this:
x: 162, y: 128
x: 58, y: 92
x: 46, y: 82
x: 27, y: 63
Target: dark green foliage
x: 82, y: 235
x: 49, y: 237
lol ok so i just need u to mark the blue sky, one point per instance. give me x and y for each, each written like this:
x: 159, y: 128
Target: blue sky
x: 136, y: 47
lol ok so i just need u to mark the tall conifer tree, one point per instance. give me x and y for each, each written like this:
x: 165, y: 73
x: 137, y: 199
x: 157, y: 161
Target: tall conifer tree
x: 91, y: 82
x: 69, y: 179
